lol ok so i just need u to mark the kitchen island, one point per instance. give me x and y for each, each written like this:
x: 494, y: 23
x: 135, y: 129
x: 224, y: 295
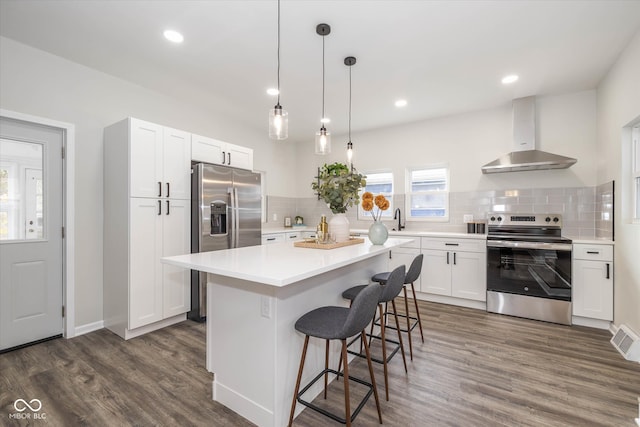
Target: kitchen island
x: 254, y: 297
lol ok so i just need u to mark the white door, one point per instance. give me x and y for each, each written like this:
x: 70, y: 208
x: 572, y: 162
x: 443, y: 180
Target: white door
x: 145, y: 249
x: 31, y: 244
x: 436, y: 272
x: 176, y: 240
x: 176, y: 157
x: 468, y: 276
x: 146, y: 159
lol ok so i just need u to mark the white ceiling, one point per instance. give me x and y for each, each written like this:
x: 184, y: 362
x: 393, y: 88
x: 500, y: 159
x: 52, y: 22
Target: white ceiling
x: 444, y: 57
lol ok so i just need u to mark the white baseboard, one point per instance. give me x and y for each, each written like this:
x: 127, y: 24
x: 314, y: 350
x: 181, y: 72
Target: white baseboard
x: 591, y: 323
x: 89, y: 327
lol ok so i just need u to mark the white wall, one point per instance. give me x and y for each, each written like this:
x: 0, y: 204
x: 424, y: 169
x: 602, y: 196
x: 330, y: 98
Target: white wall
x: 618, y: 105
x: 566, y: 125
x: 37, y: 83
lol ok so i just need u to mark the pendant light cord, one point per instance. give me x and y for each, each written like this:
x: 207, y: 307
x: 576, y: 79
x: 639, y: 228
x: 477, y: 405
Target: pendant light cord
x: 322, y: 118
x: 350, y: 103
x: 278, y: 52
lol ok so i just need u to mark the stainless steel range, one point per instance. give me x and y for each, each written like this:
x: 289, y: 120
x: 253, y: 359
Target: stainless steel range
x: 528, y: 267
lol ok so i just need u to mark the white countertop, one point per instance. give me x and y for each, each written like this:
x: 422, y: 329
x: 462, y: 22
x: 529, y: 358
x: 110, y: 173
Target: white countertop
x: 279, y: 264
x: 594, y: 241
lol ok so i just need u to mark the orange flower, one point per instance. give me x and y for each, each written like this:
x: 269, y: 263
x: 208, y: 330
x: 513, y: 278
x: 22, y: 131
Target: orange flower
x: 367, y: 204
x: 380, y: 200
x: 367, y: 196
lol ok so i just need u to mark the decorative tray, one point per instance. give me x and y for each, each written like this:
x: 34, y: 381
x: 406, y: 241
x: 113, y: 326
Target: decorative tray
x: 315, y: 245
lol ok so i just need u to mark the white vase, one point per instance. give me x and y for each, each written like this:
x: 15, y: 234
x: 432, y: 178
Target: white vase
x: 339, y: 227
x: 378, y: 233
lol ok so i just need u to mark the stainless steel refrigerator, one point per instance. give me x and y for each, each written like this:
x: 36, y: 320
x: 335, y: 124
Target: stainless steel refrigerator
x: 225, y: 213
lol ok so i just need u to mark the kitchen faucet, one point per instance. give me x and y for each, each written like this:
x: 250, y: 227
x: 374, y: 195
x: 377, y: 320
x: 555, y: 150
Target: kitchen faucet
x: 398, y: 215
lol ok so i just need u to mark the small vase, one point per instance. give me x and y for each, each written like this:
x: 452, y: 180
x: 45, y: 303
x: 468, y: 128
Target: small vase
x: 339, y: 227
x: 378, y: 233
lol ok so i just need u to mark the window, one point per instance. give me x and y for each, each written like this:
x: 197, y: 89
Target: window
x: 378, y: 183
x: 427, y: 191
x: 635, y: 171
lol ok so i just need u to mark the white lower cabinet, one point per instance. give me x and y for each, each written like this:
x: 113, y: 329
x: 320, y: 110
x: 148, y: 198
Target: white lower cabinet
x: 592, y: 281
x: 270, y: 238
x: 455, y: 268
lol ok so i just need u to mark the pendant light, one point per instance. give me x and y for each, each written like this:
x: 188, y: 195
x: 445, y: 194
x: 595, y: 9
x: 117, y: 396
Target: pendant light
x: 323, y: 137
x: 278, y: 118
x: 349, y: 61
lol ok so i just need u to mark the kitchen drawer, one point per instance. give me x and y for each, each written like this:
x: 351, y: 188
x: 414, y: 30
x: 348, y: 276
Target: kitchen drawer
x: 593, y: 252
x: 273, y: 238
x: 463, y: 245
x: 293, y: 235
x: 414, y: 244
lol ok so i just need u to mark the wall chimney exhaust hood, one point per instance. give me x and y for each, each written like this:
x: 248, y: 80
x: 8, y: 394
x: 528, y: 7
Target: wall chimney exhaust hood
x: 524, y: 156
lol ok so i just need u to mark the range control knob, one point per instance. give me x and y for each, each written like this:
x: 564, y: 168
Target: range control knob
x: 499, y: 218
x: 556, y: 219
x: 493, y: 218
x: 547, y: 219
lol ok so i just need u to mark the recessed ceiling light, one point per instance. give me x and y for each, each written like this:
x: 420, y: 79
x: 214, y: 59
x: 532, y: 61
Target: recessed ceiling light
x: 325, y: 120
x: 509, y: 79
x: 173, y: 36
x: 401, y: 103
x: 273, y: 91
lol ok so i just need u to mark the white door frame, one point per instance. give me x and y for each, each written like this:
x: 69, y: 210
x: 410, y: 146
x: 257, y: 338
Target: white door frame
x: 68, y: 178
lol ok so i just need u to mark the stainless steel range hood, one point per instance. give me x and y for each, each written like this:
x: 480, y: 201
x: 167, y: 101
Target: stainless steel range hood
x: 524, y: 156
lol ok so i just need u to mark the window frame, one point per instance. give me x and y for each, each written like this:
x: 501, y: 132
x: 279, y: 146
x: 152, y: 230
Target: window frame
x: 409, y: 193
x: 387, y: 215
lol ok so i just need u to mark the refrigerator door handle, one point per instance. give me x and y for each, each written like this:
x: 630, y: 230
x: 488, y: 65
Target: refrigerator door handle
x: 232, y: 220
x: 236, y: 219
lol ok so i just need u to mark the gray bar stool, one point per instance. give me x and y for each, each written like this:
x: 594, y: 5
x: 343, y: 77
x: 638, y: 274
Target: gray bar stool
x: 409, y: 279
x: 390, y: 290
x: 339, y: 323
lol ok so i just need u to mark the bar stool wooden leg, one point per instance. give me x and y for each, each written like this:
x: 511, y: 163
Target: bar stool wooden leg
x: 373, y: 379
x: 295, y: 393
x: 406, y: 308
x: 395, y: 314
x: 384, y: 352
x: 347, y: 402
x: 415, y: 301
x: 326, y: 366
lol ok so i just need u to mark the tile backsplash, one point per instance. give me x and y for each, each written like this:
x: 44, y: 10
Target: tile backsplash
x: 604, y: 210
x: 582, y: 211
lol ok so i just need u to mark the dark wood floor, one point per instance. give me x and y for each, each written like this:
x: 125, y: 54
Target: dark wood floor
x: 474, y: 369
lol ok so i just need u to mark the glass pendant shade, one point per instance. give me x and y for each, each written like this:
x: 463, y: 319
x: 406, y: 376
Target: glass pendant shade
x: 323, y: 141
x: 350, y: 152
x: 278, y: 123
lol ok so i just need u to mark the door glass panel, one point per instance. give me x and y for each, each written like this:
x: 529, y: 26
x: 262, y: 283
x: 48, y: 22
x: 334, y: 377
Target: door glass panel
x: 21, y: 190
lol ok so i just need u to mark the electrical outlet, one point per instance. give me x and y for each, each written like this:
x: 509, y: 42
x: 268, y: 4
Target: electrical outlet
x: 275, y: 217
x: 265, y: 307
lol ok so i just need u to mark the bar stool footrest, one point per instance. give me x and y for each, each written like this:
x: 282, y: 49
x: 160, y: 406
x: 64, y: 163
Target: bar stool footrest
x: 324, y: 411
x: 396, y: 347
x: 414, y: 322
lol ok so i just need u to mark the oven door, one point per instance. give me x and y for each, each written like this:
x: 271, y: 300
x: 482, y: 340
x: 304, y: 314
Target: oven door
x: 529, y: 268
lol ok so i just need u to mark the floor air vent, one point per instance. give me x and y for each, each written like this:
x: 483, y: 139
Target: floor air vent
x: 627, y: 343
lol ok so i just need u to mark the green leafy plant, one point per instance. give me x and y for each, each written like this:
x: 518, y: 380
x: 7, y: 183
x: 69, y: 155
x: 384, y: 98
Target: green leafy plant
x: 339, y: 186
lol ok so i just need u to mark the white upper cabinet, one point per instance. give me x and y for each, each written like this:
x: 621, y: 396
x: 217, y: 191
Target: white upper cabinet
x: 160, y: 162
x: 209, y: 150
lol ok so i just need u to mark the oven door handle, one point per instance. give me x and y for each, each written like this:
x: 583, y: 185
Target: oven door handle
x: 528, y: 245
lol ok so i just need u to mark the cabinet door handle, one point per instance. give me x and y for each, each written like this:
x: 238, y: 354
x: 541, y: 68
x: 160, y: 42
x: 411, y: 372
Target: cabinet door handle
x: 454, y: 258
x: 167, y: 189
x: 447, y: 257
x: 593, y: 252
x: 224, y: 157
x: 159, y: 207
x: 229, y: 156
x: 167, y: 207
x: 159, y: 189
x: 608, y: 272
x: 270, y: 239
x: 451, y: 244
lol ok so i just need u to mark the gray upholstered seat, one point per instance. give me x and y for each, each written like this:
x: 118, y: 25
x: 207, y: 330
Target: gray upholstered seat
x: 412, y: 275
x: 339, y: 323
x: 390, y: 290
